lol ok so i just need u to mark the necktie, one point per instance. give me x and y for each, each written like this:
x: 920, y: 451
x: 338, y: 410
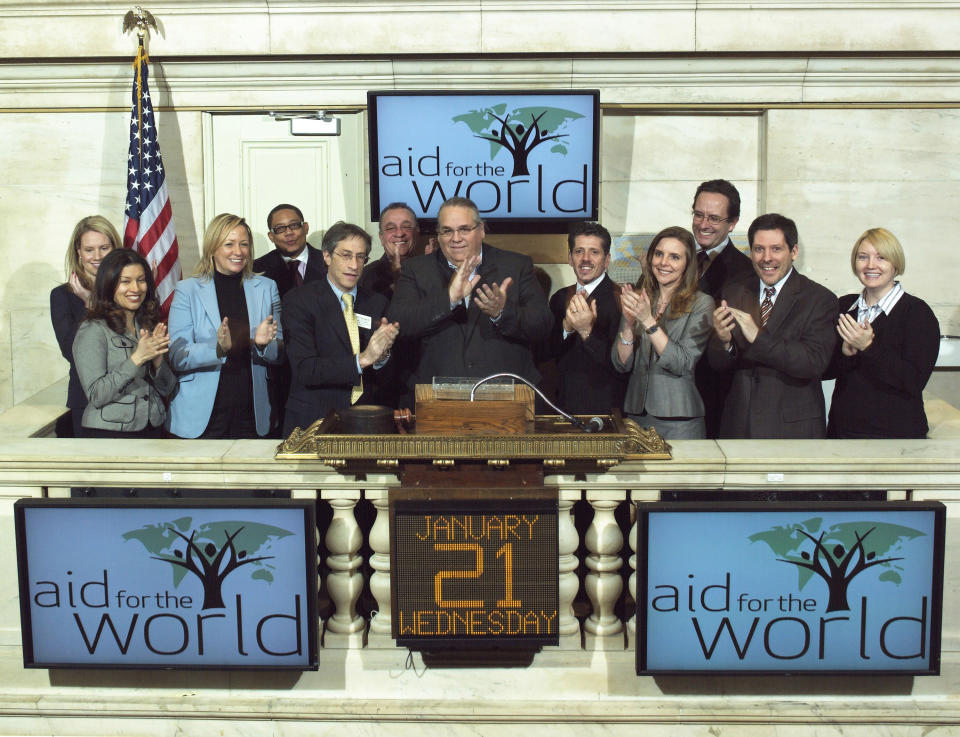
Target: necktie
x: 766, y: 307
x: 703, y: 261
x: 354, y: 333
x: 293, y: 266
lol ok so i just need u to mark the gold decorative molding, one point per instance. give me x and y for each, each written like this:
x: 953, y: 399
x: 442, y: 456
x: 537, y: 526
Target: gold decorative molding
x: 552, y: 443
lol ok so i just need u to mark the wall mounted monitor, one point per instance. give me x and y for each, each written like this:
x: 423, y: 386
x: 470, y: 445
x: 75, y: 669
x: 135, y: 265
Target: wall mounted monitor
x: 790, y: 587
x: 217, y: 584
x: 524, y: 157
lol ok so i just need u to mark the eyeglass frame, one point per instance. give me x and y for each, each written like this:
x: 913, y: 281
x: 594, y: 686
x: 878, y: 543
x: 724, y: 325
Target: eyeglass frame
x: 398, y: 228
x: 712, y: 219
x: 463, y: 231
x: 363, y: 258
x: 281, y: 229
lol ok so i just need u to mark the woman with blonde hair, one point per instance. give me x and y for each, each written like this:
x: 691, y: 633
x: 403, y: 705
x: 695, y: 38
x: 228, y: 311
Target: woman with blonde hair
x: 92, y: 239
x: 889, y: 341
x: 663, y: 332
x: 224, y: 330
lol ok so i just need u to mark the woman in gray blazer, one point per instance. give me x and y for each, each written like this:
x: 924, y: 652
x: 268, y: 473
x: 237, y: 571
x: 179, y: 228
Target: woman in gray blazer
x: 663, y: 332
x: 119, y: 352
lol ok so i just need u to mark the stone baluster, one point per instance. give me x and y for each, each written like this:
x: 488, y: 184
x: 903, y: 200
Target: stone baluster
x: 380, y: 563
x: 632, y: 582
x: 313, y: 495
x: 604, y: 630
x: 567, y: 543
x: 345, y: 627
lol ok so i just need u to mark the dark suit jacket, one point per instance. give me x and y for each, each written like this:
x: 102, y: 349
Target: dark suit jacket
x: 67, y: 311
x: 879, y: 391
x: 395, y: 387
x: 775, y: 391
x: 272, y: 266
x: 714, y: 386
x: 466, y: 342
x: 323, y: 367
x: 589, y: 385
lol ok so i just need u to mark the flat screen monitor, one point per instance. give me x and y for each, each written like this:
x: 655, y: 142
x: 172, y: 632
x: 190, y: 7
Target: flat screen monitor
x: 120, y: 583
x: 524, y: 157
x: 790, y: 587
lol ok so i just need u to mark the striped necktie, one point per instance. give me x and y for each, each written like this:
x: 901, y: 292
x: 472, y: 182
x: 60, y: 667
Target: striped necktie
x: 766, y: 307
x: 354, y: 332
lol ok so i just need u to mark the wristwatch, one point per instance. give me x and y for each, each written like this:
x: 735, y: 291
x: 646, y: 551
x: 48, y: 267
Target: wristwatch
x: 652, y: 330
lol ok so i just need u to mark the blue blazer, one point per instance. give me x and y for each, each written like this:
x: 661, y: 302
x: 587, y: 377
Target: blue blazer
x: 194, y: 319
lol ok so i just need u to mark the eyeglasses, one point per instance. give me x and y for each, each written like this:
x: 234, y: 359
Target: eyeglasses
x: 463, y: 231
x: 351, y: 257
x: 398, y: 229
x: 712, y: 219
x: 281, y: 229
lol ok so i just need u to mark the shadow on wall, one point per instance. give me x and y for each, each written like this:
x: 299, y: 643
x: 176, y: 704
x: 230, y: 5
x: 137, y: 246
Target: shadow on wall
x: 29, y: 355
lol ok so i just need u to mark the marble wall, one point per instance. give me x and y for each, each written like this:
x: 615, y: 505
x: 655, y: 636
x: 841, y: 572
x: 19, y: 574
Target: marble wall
x: 838, y: 142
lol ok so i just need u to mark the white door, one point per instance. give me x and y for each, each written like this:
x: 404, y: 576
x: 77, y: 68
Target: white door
x: 252, y: 163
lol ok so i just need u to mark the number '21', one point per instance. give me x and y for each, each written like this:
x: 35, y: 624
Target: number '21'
x: 505, y: 552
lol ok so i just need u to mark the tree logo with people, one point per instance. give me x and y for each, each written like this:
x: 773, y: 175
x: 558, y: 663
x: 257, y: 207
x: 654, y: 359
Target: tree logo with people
x: 520, y: 130
x: 839, y: 553
x: 211, y: 551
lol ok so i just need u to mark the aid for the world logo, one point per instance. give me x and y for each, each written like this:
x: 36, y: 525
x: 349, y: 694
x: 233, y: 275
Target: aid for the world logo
x: 211, y: 552
x: 520, y: 131
x: 838, y: 553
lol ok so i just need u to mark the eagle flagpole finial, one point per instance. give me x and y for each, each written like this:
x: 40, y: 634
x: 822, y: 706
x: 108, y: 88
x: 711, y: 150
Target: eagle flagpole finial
x: 141, y: 20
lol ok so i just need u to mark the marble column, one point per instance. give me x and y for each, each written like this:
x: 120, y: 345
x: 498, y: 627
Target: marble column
x: 604, y: 630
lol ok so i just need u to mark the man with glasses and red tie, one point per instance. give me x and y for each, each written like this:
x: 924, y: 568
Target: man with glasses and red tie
x: 293, y: 261
x: 716, y: 211
x: 290, y: 264
x: 338, y: 339
x: 476, y: 309
x: 775, y: 330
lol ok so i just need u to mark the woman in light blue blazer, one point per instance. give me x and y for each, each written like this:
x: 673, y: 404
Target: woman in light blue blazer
x: 224, y: 330
x: 663, y: 332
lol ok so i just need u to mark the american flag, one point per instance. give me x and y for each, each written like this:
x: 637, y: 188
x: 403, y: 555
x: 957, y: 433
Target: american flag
x: 148, y: 221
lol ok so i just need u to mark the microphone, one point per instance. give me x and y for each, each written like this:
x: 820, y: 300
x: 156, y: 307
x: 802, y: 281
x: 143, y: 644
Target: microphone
x: 594, y: 424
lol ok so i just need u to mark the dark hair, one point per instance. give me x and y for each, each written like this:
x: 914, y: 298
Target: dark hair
x: 105, y: 287
x: 399, y: 206
x: 461, y: 202
x: 683, y: 297
x: 773, y: 221
x: 341, y: 231
x: 586, y: 227
x: 283, y: 206
x: 722, y: 186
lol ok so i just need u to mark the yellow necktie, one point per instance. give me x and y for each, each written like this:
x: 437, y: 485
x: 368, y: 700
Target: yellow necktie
x: 353, y: 331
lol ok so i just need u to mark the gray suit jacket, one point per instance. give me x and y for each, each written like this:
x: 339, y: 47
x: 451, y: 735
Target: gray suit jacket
x: 663, y: 385
x: 776, y: 379
x: 120, y: 395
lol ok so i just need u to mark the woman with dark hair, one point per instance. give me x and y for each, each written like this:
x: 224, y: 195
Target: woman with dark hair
x: 889, y: 341
x: 92, y: 239
x: 119, y: 352
x: 663, y: 332
x: 225, y: 329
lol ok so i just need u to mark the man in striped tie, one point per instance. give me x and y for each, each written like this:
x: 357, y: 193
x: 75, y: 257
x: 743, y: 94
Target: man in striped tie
x: 775, y: 330
x: 338, y: 339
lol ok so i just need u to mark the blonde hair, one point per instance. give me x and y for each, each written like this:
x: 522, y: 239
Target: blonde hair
x: 214, y: 237
x: 94, y: 224
x: 887, y: 246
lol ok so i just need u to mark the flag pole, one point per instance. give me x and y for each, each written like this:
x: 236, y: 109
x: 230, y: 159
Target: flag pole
x: 148, y: 216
